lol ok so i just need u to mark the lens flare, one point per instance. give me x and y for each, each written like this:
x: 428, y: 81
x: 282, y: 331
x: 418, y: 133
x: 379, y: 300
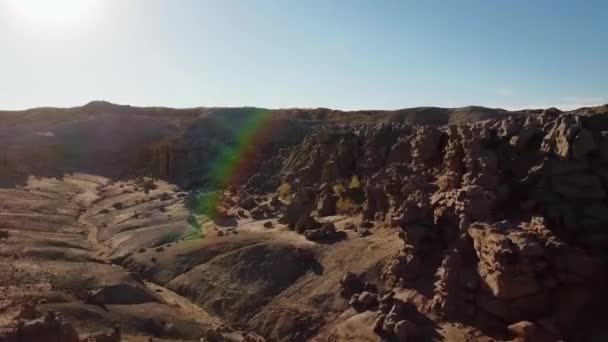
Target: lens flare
x: 234, y: 160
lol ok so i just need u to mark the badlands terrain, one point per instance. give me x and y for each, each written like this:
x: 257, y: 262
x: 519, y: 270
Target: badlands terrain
x: 120, y: 223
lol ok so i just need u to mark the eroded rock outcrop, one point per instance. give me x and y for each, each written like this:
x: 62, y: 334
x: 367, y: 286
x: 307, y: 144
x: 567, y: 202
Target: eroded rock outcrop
x: 500, y: 217
x: 497, y: 224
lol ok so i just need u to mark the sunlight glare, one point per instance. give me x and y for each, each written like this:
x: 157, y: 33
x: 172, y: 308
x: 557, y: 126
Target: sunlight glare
x: 53, y: 13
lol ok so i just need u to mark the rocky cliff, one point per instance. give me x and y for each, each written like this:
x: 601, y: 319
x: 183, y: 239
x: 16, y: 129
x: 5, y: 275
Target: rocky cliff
x: 179, y: 145
x: 502, y: 220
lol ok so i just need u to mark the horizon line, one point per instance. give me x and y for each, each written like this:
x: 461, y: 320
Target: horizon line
x: 562, y: 107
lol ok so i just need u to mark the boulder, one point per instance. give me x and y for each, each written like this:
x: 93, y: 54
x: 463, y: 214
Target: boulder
x: 377, y: 202
x: 260, y: 212
x: 350, y: 284
x: 247, y: 202
x: 405, y: 331
x: 327, y: 232
x: 326, y: 206
x: 523, y: 329
x: 300, y: 206
x: 367, y: 300
x: 306, y: 223
x: 378, y: 324
x: 364, y: 301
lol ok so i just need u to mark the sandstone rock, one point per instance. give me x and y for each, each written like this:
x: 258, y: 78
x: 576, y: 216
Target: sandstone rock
x: 350, y: 284
x: 463, y: 206
x: 378, y: 324
x: 247, y: 202
x: 392, y: 318
x: 368, y: 299
x: 405, y: 331
x: 449, y: 181
x: 523, y: 329
x: 242, y: 213
x: 327, y: 232
x: 315, y: 235
x: 300, y: 206
x: 306, y: 223
x: 377, y: 202
x: 558, y: 140
x: 327, y: 204
x: 508, y: 128
x: 386, y: 301
x: 425, y: 144
x: 522, y: 140
x: 260, y: 212
x: 501, y: 265
x: 364, y: 301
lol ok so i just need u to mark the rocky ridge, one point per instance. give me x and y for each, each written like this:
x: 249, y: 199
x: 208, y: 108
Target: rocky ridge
x: 488, y: 229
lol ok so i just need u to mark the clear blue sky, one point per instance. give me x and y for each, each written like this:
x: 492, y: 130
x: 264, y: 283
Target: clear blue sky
x: 345, y: 54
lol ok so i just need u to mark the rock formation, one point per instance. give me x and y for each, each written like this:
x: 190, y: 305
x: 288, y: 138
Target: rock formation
x: 337, y: 226
x: 505, y: 215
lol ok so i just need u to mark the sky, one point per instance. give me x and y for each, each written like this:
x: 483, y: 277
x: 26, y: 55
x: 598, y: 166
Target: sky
x: 343, y: 54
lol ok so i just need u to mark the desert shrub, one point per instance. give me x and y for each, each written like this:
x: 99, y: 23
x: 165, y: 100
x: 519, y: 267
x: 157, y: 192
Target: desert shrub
x: 338, y: 188
x: 284, y: 190
x: 355, y: 183
x: 344, y: 205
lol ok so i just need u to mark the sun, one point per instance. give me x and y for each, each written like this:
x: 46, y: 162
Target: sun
x: 54, y: 13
